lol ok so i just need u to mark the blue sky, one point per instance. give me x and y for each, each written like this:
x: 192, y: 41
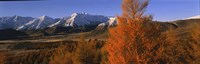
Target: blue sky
x: 163, y: 10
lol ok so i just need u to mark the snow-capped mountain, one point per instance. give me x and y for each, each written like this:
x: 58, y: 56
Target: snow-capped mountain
x: 39, y: 23
x: 29, y: 23
x: 194, y: 17
x: 13, y: 22
x: 82, y: 19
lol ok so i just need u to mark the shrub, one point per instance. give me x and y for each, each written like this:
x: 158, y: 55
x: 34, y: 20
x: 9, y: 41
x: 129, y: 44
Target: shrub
x: 2, y: 58
x: 104, y: 56
x: 130, y: 42
x: 87, y: 52
x: 61, y: 56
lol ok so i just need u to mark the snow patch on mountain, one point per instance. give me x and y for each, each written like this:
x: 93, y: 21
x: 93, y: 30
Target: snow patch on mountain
x: 110, y: 23
x: 194, y: 17
x: 59, y: 22
x: 82, y: 19
x: 39, y: 23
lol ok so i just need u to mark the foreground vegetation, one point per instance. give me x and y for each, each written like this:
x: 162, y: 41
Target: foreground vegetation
x: 137, y: 40
x: 67, y: 52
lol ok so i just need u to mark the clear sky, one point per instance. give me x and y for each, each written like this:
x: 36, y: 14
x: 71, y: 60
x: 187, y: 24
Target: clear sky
x: 163, y: 10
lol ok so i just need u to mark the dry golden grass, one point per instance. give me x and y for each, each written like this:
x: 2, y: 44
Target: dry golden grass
x: 195, y: 32
x: 195, y: 43
x: 68, y: 52
x: 61, y: 56
x: 182, y: 45
x: 85, y: 52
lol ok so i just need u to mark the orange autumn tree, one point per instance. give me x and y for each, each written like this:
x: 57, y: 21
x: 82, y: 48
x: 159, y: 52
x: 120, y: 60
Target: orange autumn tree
x: 127, y: 44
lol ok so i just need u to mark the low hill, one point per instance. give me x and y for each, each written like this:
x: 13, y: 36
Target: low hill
x: 11, y: 34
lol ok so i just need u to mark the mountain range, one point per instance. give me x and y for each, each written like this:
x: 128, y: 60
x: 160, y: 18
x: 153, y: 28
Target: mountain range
x: 76, y: 20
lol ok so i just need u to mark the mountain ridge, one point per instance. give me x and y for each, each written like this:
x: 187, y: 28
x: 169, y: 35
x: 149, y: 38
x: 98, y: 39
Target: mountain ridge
x: 30, y: 23
x: 194, y: 17
x: 75, y: 20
